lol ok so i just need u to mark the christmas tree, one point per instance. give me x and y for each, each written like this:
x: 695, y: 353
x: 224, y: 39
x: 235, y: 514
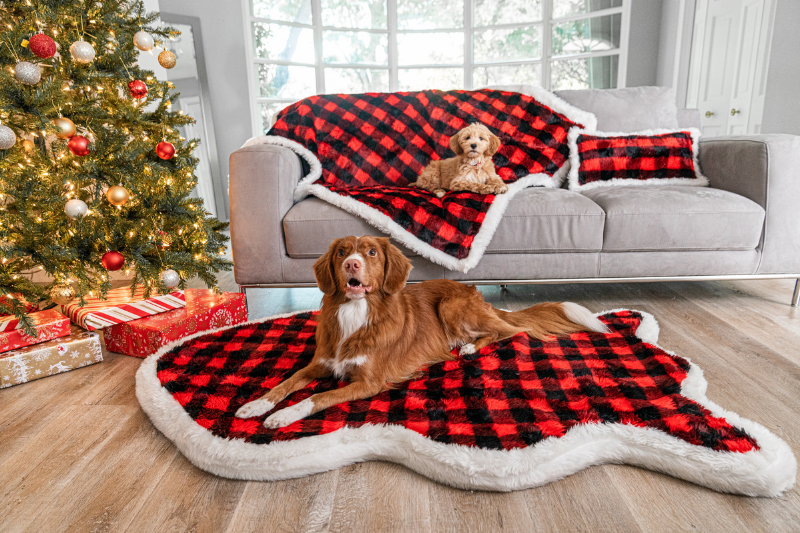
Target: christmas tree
x: 94, y: 175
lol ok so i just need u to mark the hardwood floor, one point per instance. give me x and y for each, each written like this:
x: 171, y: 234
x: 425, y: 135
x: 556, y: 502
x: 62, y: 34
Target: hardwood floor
x: 78, y: 454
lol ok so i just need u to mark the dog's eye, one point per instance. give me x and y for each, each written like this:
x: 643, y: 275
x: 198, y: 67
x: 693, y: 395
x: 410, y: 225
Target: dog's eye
x: 469, y: 137
x: 481, y: 138
x: 341, y: 253
x: 372, y: 252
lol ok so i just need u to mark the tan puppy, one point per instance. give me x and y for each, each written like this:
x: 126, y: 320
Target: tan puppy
x: 472, y: 168
x: 375, y: 331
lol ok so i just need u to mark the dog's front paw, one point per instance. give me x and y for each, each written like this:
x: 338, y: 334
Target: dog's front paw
x: 467, y: 349
x: 439, y: 192
x: 501, y: 189
x: 290, y: 415
x: 255, y: 408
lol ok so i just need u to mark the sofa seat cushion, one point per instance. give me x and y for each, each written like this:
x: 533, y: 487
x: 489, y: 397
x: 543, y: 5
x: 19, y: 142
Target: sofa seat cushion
x: 677, y: 217
x: 536, y: 220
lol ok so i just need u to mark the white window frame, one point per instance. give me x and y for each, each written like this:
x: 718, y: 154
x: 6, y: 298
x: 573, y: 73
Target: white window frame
x: 392, y: 31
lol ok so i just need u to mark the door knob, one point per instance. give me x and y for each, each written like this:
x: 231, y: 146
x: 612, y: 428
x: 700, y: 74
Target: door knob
x: 734, y: 112
x: 709, y: 114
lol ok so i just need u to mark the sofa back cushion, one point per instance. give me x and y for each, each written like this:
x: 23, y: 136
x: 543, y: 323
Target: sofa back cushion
x: 630, y: 109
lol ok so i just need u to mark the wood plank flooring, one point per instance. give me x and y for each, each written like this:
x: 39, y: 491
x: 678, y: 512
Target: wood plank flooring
x: 78, y: 454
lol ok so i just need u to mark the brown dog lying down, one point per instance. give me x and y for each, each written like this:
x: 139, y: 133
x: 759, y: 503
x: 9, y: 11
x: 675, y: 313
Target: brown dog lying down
x: 374, y: 330
x: 472, y: 168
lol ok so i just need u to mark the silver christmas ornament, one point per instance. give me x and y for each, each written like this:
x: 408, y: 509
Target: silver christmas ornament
x: 143, y: 41
x: 75, y: 208
x: 7, y: 137
x: 27, y: 73
x: 82, y: 52
x: 170, y: 278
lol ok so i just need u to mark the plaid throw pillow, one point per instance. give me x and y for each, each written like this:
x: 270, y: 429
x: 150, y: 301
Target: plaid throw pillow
x: 654, y: 157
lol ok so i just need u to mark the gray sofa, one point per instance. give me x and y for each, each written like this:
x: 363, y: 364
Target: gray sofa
x: 744, y: 225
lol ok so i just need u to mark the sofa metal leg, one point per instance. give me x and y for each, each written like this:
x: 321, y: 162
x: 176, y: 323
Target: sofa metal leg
x: 503, y: 287
x: 796, y: 295
x: 243, y: 290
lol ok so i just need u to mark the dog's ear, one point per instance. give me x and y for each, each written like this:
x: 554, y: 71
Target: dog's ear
x: 455, y: 145
x: 323, y: 270
x: 396, y: 268
x: 494, y: 143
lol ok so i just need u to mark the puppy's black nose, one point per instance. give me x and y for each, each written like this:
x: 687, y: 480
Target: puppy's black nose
x: 473, y: 145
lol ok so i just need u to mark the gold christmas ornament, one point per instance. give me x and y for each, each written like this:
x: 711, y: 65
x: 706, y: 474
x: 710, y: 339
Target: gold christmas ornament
x: 118, y: 195
x: 28, y: 145
x: 62, y: 293
x: 66, y: 128
x: 167, y: 59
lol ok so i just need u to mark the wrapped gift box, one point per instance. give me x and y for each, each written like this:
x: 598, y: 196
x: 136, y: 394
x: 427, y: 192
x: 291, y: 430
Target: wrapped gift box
x: 79, y: 348
x: 204, y: 311
x: 49, y: 324
x: 22, y: 301
x: 119, y: 306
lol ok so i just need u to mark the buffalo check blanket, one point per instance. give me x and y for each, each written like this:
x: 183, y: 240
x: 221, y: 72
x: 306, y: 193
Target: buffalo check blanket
x: 364, y: 149
x: 518, y: 414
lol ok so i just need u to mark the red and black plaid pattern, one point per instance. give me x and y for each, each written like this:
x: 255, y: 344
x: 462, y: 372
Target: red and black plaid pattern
x: 371, y: 146
x: 635, y: 157
x: 511, y: 394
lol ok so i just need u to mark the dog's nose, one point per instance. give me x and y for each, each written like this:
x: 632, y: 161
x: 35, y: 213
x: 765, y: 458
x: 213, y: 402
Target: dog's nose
x: 474, y: 145
x: 352, y: 265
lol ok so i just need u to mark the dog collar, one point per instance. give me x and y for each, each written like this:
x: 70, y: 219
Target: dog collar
x: 475, y: 162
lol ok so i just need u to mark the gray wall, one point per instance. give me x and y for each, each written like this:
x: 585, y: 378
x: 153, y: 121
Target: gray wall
x: 782, y: 99
x: 222, y: 27
x: 643, y: 42
x: 675, y: 46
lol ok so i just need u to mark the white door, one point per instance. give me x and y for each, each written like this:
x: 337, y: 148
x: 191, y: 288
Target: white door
x: 729, y: 57
x: 205, y: 188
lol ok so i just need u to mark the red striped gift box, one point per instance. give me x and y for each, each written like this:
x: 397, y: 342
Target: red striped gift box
x: 119, y: 307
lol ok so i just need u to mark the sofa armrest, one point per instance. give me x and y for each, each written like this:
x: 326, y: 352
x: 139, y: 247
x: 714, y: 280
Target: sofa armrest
x: 765, y: 169
x: 261, y: 185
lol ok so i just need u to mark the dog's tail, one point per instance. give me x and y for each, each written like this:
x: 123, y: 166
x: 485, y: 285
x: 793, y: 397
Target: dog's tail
x: 552, y: 319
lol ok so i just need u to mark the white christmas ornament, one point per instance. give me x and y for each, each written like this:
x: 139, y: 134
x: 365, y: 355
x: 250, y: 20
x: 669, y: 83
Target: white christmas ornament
x: 170, y: 278
x: 7, y: 137
x: 143, y: 41
x: 27, y: 73
x: 75, y: 208
x: 82, y: 52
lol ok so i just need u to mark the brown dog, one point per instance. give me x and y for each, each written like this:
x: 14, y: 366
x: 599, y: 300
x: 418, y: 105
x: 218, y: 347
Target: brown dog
x: 472, y: 168
x: 375, y: 331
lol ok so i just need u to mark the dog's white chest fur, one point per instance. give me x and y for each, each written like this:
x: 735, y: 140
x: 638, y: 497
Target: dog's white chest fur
x: 352, y: 316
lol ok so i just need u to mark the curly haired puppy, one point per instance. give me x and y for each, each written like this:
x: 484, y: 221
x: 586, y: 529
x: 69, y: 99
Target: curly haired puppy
x: 472, y: 168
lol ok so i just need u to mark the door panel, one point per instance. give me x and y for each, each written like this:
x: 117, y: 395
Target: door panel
x: 749, y: 36
x: 718, y: 64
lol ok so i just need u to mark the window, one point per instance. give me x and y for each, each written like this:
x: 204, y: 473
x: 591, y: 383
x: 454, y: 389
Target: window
x: 304, y: 47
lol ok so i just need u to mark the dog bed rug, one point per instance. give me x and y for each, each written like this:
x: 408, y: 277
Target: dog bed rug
x: 518, y: 414
x: 364, y: 149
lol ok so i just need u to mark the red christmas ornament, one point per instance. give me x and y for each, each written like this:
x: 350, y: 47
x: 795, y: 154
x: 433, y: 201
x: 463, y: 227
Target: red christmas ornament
x: 113, y: 260
x: 42, y: 45
x: 79, y: 145
x: 165, y: 150
x: 138, y: 89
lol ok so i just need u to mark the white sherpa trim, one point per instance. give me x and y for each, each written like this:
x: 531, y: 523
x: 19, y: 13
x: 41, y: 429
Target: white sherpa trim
x: 543, y: 96
x: 385, y: 223
x: 768, y: 471
x: 575, y: 163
